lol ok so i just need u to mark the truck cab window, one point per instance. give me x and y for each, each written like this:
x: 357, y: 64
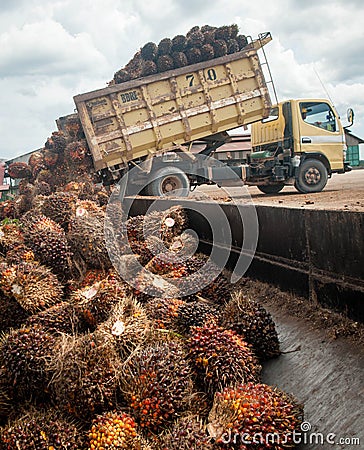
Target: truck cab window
x: 318, y: 114
x: 273, y: 115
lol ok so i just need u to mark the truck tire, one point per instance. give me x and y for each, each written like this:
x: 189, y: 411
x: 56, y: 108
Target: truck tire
x: 271, y: 188
x: 312, y: 176
x: 169, y: 181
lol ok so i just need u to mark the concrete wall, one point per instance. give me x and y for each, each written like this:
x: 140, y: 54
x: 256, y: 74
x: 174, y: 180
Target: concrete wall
x: 317, y: 254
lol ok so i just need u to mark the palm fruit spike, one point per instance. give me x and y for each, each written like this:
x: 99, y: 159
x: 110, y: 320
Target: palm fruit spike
x: 149, y: 51
x: 23, y: 354
x: 220, y: 358
x: 41, y: 430
x: 163, y: 311
x: 47, y: 240
x: 220, y: 48
x: 179, y: 59
x: 126, y: 328
x: 58, y: 207
x: 194, y: 314
x: 86, y: 375
x: 188, y: 433
x: 114, y: 430
x: 34, y: 286
x: 12, y: 315
x: 156, y: 384
x: 164, y: 63
x: 254, y: 410
x: 164, y: 47
x: 253, y: 323
x: 19, y: 170
x: 179, y: 43
x: 95, y: 302
x: 60, y: 318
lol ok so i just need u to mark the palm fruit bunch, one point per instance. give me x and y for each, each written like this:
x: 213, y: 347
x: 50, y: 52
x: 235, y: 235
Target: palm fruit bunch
x: 253, y: 323
x: 35, y: 159
x: 84, y: 190
x: 149, y: 51
x: 220, y: 48
x: 194, y: 314
x: 12, y: 315
x: 48, y: 241
x: 254, y: 411
x: 156, y: 383
x: 220, y: 358
x: 142, y: 250
x: 114, y: 430
x: 10, y: 235
x: 207, y: 52
x: 7, y: 210
x: 188, y: 433
x: 58, y: 207
x: 86, y: 375
x: 164, y: 63
x: 94, y: 303
x: 86, y: 239
x: 195, y: 38
x: 179, y: 43
x: 19, y: 170
x: 193, y: 55
x: 165, y: 47
x: 41, y: 430
x: 24, y: 352
x: 56, y: 142
x: 208, y: 280
x: 60, y: 318
x: 121, y: 76
x: 179, y: 59
x: 33, y: 286
x: 126, y: 328
x: 73, y: 128
x: 148, y: 67
x: 163, y: 311
x: 19, y: 253
x: 76, y: 151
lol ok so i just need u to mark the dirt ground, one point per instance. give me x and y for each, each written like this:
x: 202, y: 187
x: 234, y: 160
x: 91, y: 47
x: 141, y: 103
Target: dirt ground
x: 342, y: 192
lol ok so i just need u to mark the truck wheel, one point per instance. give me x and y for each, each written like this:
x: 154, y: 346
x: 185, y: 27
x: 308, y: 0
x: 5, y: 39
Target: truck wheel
x: 312, y: 176
x: 271, y: 188
x: 169, y: 181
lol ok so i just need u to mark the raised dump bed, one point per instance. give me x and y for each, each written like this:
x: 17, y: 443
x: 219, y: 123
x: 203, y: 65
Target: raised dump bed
x: 139, y: 118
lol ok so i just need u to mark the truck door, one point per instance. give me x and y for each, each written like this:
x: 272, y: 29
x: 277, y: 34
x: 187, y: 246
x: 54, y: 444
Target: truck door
x: 320, y: 131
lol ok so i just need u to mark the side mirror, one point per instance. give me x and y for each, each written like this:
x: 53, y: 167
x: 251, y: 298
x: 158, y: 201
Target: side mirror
x: 350, y: 116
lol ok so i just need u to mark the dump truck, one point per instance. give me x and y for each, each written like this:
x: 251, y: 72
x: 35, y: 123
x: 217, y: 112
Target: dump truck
x: 153, y: 122
x: 302, y: 142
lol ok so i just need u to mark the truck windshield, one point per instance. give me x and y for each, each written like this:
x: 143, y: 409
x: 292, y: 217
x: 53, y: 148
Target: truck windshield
x: 318, y: 114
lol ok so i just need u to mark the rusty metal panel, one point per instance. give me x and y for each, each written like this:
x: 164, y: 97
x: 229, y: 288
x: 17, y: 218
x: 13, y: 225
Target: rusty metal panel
x: 134, y: 119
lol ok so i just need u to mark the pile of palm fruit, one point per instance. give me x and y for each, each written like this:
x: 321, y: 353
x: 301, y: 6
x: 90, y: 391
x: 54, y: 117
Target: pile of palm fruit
x: 89, y: 361
x: 199, y: 44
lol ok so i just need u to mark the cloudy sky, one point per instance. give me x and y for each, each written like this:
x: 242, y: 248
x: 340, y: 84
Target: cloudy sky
x: 53, y: 50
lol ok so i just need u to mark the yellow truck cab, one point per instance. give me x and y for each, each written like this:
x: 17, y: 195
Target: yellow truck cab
x: 302, y: 142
